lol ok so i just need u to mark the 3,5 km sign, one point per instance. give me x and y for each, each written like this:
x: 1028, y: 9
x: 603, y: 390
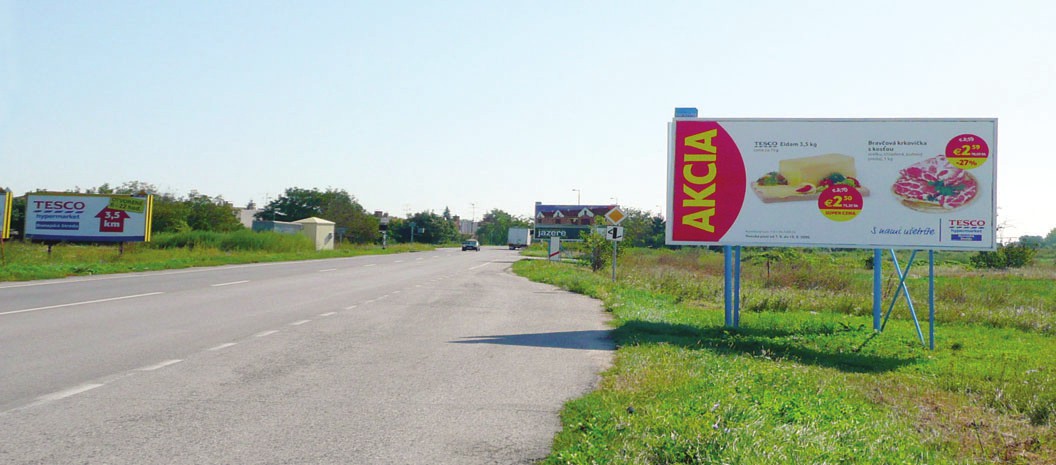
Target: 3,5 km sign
x: 88, y: 218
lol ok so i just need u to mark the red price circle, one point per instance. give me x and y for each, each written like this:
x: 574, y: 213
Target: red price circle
x: 967, y: 151
x: 840, y: 202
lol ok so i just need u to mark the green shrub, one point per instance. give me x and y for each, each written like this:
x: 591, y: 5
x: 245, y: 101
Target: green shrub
x: 1014, y: 255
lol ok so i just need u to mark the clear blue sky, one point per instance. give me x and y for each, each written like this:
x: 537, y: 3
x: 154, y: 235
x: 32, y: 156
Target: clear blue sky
x: 412, y: 106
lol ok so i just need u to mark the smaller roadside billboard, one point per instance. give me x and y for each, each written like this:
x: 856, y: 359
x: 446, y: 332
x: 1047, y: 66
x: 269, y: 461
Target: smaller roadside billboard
x: 88, y: 218
x: 568, y: 222
x: 5, y: 214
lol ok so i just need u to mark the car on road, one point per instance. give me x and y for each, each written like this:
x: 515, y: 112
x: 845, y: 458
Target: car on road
x: 471, y: 244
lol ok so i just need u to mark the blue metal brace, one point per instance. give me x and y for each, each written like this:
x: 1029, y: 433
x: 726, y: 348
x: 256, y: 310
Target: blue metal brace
x: 902, y: 274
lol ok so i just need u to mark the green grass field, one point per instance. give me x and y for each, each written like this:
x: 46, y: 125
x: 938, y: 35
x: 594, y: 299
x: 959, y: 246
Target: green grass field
x: 805, y: 379
x: 27, y: 261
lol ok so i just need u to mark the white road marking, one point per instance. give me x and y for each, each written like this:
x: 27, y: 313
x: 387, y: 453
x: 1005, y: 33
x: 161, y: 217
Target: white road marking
x: 328, y: 270
x: 265, y: 333
x: 479, y: 266
x: 223, y: 346
x: 419, y: 259
x: 370, y: 301
x: 395, y: 292
x: 159, y: 365
x: 386, y: 296
x: 370, y: 264
x: 86, y: 302
x: 298, y: 323
x: 327, y: 313
x: 67, y: 393
x: 350, y: 307
x: 399, y: 261
x: 230, y: 283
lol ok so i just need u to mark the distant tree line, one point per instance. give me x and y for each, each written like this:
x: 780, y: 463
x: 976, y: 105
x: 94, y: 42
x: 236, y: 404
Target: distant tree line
x: 1037, y: 242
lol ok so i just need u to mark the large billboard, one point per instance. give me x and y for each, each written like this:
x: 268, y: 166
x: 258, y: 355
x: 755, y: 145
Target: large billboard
x: 88, y: 218
x: 568, y: 222
x: 5, y: 214
x: 861, y: 183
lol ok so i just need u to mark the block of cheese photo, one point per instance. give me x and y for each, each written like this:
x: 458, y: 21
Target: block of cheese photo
x: 814, y: 169
x: 806, y: 177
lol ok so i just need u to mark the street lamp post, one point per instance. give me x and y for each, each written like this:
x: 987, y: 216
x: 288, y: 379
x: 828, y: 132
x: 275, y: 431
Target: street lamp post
x: 473, y: 220
x: 578, y: 192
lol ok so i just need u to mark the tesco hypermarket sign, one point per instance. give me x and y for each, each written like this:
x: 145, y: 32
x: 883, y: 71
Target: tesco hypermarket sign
x: 862, y: 183
x: 88, y: 218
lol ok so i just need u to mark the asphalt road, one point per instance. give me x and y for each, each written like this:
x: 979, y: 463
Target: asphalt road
x: 440, y: 357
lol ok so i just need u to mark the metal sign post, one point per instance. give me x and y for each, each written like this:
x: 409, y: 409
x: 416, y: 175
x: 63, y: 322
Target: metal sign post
x: 732, y: 285
x: 614, y: 234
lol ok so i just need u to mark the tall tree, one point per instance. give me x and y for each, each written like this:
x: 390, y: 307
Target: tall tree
x: 211, y: 213
x: 494, y: 228
x: 335, y: 205
x: 170, y: 214
x: 294, y: 204
x: 642, y: 228
x: 343, y: 209
x: 429, y: 228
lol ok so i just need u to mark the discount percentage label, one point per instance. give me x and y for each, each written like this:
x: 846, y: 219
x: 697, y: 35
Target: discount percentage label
x: 840, y: 203
x: 967, y: 151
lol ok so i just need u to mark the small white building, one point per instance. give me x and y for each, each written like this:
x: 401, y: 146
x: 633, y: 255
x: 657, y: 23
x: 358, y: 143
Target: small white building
x: 320, y: 231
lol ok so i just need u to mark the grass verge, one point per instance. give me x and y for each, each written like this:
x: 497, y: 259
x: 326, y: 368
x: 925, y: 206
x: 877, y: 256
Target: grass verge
x: 794, y: 386
x: 27, y: 261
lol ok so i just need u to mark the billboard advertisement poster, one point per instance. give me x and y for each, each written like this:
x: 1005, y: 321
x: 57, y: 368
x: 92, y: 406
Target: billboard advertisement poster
x: 568, y: 222
x: 88, y: 218
x: 849, y: 183
x: 5, y: 214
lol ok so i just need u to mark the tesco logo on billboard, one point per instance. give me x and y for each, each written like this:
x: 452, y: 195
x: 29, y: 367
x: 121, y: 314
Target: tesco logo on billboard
x: 58, y: 205
x: 967, y: 223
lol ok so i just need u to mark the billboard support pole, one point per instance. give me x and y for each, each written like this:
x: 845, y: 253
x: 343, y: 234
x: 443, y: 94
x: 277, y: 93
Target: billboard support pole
x: 737, y: 286
x: 727, y: 252
x: 931, y: 299
x: 878, y: 293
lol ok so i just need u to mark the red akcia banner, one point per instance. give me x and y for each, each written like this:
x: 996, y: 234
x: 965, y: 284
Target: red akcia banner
x: 709, y: 182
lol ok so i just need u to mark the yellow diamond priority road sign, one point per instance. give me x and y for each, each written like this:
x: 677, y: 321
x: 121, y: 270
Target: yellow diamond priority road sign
x: 615, y: 216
